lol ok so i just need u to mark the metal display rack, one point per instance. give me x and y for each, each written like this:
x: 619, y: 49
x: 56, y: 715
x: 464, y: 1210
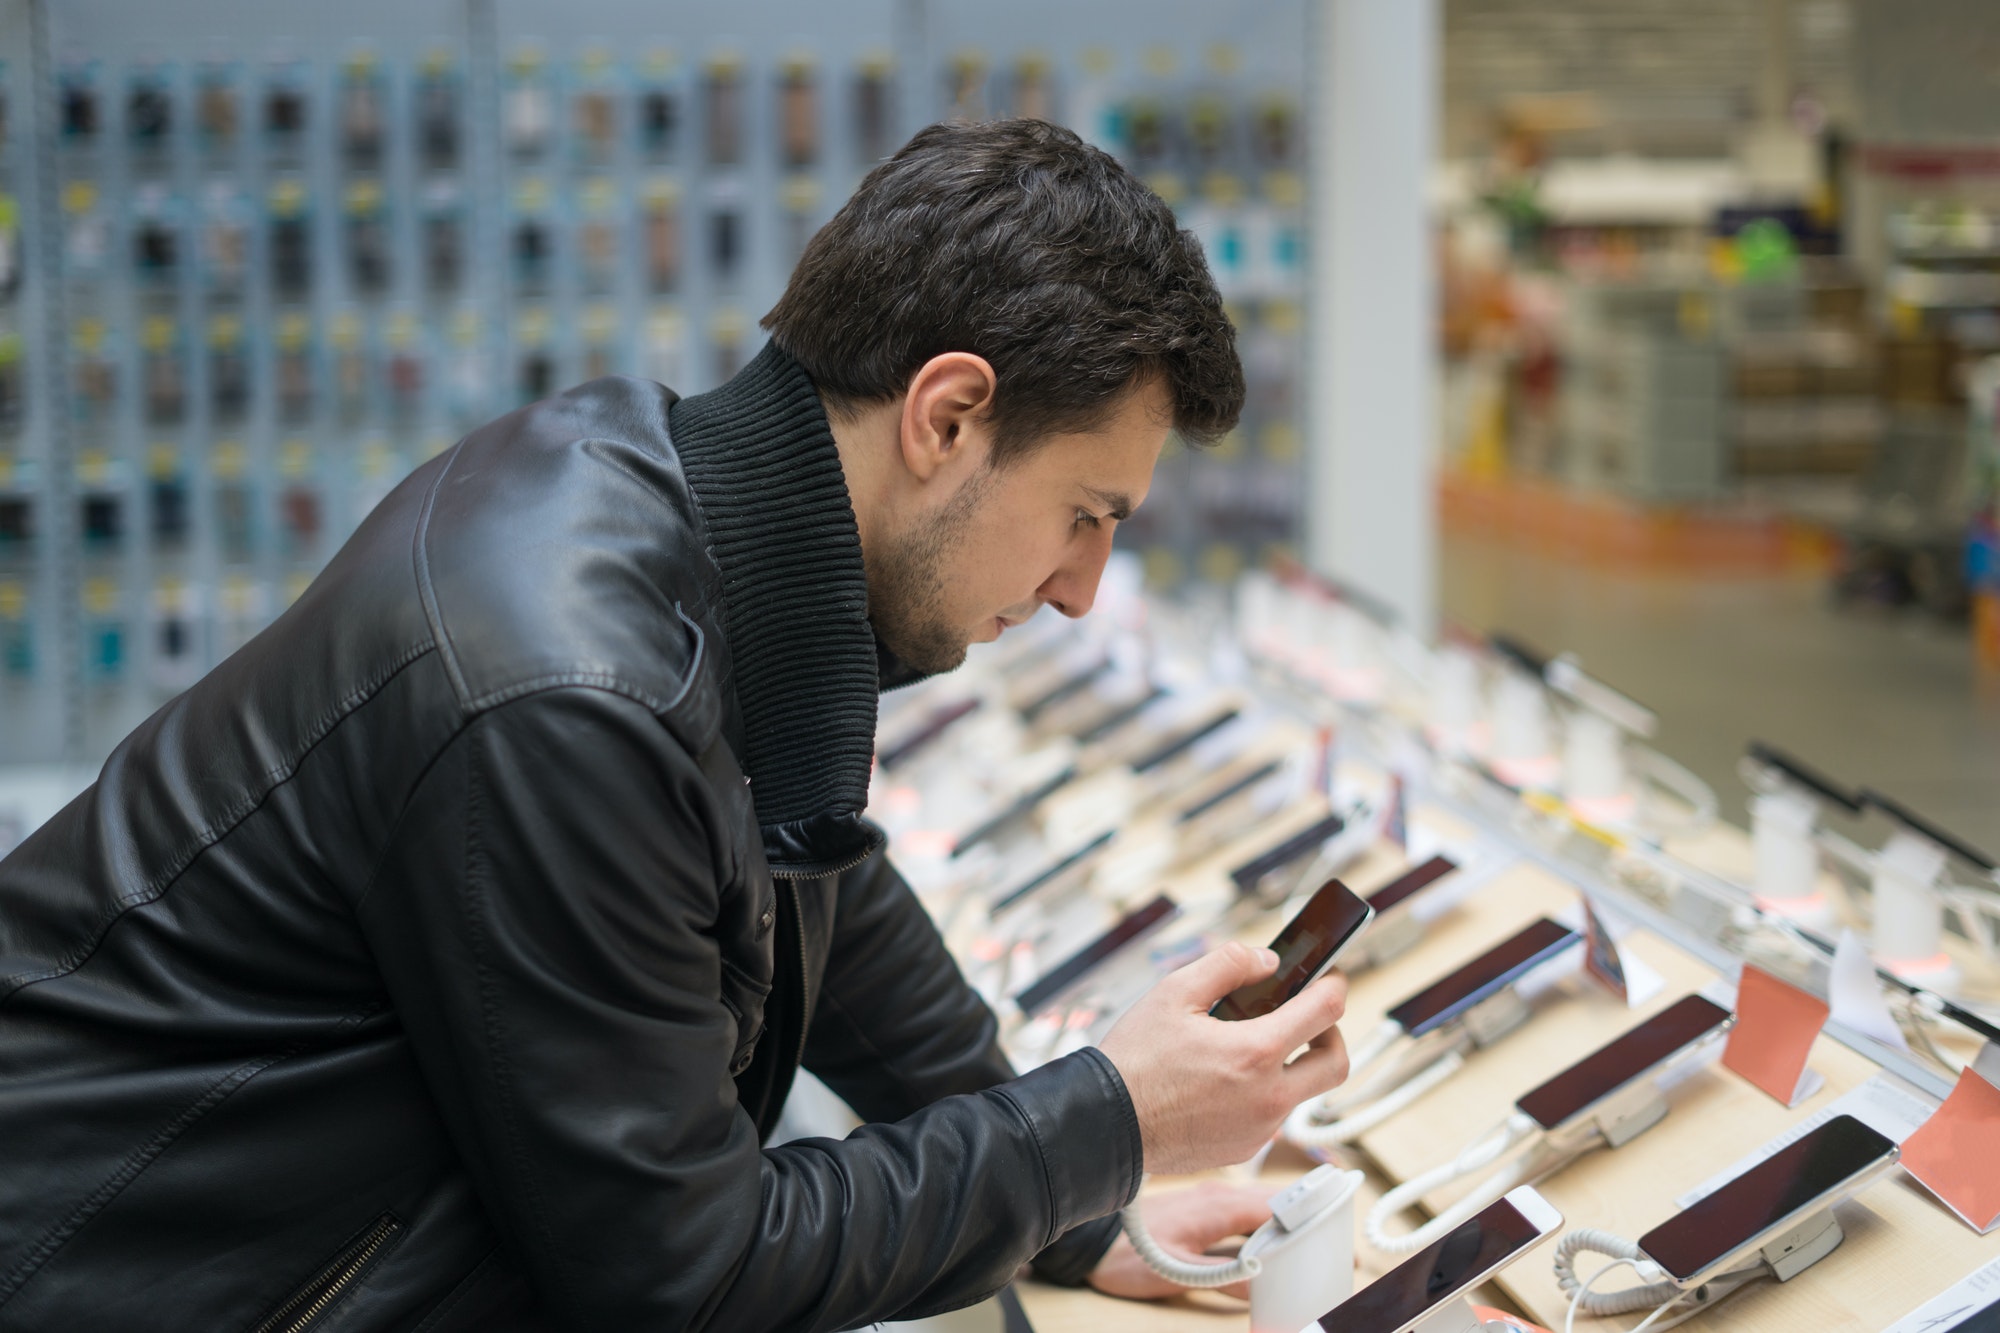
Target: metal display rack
x: 255, y: 266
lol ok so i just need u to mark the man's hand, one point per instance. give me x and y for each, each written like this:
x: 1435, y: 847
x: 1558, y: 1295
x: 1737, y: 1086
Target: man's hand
x: 1186, y: 1223
x: 1208, y: 1092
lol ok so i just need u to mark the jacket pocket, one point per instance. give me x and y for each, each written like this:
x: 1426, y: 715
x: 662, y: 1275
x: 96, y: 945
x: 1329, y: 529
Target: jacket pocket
x: 304, y: 1307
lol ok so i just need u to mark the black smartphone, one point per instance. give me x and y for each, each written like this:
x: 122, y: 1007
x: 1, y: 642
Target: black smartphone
x: 1250, y: 876
x: 1770, y: 756
x: 1502, y: 965
x: 1306, y: 948
x: 1410, y: 883
x: 1628, y: 1057
x: 1778, y: 1193
x: 1134, y: 926
x: 1447, y: 1269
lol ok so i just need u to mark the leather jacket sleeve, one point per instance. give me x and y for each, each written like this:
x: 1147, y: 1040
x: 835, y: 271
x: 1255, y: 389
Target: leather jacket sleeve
x: 897, y: 1028
x: 556, y: 966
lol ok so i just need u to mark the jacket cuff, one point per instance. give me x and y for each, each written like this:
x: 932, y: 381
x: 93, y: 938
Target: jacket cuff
x: 1088, y: 1134
x: 1069, y: 1262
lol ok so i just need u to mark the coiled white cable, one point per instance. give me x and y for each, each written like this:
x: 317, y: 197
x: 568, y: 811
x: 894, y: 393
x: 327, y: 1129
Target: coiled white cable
x: 1657, y: 1294
x: 1184, y: 1272
x: 1483, y: 1152
x: 1304, y: 1127
x: 1623, y: 1301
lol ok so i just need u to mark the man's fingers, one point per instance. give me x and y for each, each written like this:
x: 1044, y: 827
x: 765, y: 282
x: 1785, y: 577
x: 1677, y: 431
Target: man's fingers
x: 1322, y: 1068
x: 1224, y: 1211
x: 1306, y: 1015
x: 1220, y: 971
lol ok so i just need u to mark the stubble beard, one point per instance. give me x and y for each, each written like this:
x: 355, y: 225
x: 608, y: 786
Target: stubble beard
x: 906, y: 595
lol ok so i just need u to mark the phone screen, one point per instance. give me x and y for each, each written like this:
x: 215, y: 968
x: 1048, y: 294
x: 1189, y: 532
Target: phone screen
x: 1611, y: 1067
x: 1410, y: 883
x: 1711, y: 1229
x: 1087, y: 959
x: 1251, y: 873
x: 1445, y: 1000
x: 1305, y: 947
x: 1436, y: 1274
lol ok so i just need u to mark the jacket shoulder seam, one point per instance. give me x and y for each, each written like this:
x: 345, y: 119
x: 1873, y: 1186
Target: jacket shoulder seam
x: 426, y: 589
x: 231, y: 819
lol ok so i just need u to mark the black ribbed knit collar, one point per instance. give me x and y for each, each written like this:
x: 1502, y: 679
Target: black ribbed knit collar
x: 760, y: 458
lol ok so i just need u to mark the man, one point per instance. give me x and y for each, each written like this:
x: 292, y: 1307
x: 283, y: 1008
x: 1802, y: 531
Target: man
x: 442, y: 959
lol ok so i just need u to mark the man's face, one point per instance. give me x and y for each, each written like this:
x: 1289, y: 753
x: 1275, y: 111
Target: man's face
x: 1009, y: 540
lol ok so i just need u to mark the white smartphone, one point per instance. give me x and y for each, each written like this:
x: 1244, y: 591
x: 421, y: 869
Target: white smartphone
x: 1447, y: 1269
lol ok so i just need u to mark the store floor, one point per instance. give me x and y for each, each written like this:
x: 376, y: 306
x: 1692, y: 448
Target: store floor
x: 1889, y: 701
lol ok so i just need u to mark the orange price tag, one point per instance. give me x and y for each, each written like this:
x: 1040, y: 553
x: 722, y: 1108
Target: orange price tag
x: 1952, y: 1152
x: 1776, y: 1025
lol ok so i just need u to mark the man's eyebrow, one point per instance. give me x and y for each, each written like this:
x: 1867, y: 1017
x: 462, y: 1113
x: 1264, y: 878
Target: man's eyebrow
x: 1117, y: 503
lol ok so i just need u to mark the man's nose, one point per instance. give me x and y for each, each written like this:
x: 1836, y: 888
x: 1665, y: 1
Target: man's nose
x: 1072, y: 589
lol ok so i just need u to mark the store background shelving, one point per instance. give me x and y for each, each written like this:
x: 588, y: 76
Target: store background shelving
x: 256, y: 266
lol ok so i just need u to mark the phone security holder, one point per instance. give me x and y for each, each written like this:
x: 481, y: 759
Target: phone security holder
x: 1786, y: 803
x: 1306, y: 1252
x: 1299, y: 1264
x: 1616, y: 1121
x: 1390, y: 935
x: 1595, y: 773
x: 1392, y: 1070
x: 1782, y: 1257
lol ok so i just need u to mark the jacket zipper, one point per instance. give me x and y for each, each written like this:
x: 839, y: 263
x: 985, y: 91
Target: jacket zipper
x: 332, y: 1282
x: 805, y: 982
x: 821, y: 872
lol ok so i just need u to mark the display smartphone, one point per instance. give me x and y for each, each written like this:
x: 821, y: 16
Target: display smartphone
x: 1249, y: 876
x: 1181, y: 743
x: 1482, y: 978
x: 1771, y: 757
x: 1073, y: 969
x: 1306, y: 948
x: 1409, y: 884
x: 1050, y: 873
x: 1760, y: 1205
x: 933, y: 727
x: 1447, y: 1269
x: 1663, y: 1037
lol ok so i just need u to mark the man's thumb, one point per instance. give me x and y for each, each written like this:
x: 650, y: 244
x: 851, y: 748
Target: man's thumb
x: 1220, y: 971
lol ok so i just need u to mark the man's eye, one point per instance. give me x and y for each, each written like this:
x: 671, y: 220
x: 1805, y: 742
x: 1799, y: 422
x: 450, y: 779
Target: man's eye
x: 1085, y: 518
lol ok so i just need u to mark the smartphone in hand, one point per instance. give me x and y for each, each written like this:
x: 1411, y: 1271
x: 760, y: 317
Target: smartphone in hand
x: 1307, y: 947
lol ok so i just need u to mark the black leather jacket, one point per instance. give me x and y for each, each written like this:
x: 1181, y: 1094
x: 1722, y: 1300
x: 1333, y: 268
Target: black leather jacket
x: 429, y: 965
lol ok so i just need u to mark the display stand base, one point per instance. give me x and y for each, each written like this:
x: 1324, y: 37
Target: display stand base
x: 1626, y: 1120
x: 1455, y: 1317
x: 1492, y: 1019
x: 1803, y: 1246
x: 1386, y: 939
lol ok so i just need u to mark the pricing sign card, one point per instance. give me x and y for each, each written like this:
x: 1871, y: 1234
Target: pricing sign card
x: 1776, y: 1025
x: 1956, y: 1154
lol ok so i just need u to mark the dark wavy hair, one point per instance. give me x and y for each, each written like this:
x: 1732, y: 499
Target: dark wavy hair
x: 1017, y: 241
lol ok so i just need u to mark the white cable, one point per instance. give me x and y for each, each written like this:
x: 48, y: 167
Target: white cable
x: 1304, y: 1128
x: 1483, y: 1152
x: 1627, y: 1299
x: 1577, y: 1298
x: 1379, y: 1042
x: 1184, y: 1272
x: 1657, y: 1294
x: 1359, y: 1086
x: 1682, y: 782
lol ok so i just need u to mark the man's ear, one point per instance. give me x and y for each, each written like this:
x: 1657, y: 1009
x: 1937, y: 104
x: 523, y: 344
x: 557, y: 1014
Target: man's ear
x: 943, y: 426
